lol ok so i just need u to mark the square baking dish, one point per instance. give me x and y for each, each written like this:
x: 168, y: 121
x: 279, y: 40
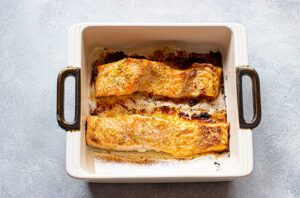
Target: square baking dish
x: 229, y: 39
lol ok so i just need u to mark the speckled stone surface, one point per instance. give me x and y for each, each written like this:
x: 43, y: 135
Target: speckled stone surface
x: 33, y: 46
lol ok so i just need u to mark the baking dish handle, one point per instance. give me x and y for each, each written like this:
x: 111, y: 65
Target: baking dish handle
x: 248, y: 71
x: 64, y: 73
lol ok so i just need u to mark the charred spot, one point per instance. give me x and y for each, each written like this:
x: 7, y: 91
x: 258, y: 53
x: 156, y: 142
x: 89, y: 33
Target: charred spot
x: 110, y: 106
x: 94, y: 139
x: 97, y: 110
x: 192, y: 74
x: 167, y: 110
x: 106, y: 57
x: 95, y: 71
x: 157, y: 55
x: 121, y: 103
x: 218, y: 57
x: 183, y: 60
x: 215, y: 139
x: 96, y: 63
x: 115, y: 56
x: 183, y: 115
x: 222, y: 90
x: 137, y: 56
x: 133, y: 111
x: 149, y: 95
x: 201, y: 116
x: 94, y: 75
x: 142, y: 111
x: 180, y: 60
x: 192, y: 102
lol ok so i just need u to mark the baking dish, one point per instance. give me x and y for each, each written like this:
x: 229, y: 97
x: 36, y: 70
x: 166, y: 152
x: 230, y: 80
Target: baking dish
x: 229, y: 39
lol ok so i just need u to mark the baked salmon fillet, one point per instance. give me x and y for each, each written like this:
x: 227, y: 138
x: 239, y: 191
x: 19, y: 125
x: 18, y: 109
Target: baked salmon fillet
x: 131, y: 75
x: 157, y: 132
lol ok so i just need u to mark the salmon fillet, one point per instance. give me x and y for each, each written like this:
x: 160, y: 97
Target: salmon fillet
x: 131, y: 75
x: 157, y: 132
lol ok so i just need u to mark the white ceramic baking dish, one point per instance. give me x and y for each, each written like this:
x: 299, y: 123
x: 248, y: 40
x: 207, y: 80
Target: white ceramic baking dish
x: 230, y: 39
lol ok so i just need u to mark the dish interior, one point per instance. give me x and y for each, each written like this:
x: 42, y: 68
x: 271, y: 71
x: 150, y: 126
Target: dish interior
x: 136, y: 38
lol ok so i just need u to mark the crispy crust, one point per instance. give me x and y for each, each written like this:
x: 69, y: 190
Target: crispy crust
x: 159, y: 132
x: 129, y: 76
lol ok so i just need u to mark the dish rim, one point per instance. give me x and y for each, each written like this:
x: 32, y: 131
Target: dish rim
x: 75, y: 40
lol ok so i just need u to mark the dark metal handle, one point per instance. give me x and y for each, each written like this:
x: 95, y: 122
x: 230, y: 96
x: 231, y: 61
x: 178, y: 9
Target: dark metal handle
x: 75, y: 124
x: 249, y: 71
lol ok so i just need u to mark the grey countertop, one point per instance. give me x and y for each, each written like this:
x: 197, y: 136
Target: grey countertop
x: 33, y: 45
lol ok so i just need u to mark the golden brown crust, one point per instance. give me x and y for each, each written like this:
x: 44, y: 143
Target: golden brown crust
x: 158, y: 132
x: 140, y: 75
x: 179, y: 59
